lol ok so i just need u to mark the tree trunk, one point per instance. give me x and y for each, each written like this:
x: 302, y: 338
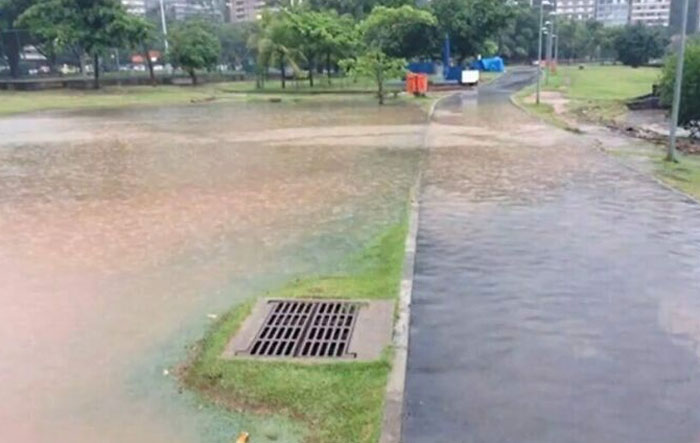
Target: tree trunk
x: 284, y: 84
x: 96, y: 69
x: 380, y: 88
x: 328, y: 66
x: 151, y: 73
x: 12, y: 49
x: 193, y: 76
x: 311, y: 72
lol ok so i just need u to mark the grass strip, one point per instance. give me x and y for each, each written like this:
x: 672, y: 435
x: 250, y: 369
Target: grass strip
x: 338, y: 402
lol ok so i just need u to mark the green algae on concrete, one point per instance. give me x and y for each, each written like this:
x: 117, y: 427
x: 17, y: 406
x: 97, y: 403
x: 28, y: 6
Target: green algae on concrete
x: 337, y: 402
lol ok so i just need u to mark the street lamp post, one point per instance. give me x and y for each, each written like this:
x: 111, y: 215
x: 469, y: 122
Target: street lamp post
x: 539, y: 52
x: 671, y: 156
x: 164, y: 26
x: 550, y: 37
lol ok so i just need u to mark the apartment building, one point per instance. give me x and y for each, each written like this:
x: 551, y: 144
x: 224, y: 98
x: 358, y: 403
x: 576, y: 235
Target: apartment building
x: 693, y: 16
x: 137, y: 7
x: 184, y: 9
x: 651, y: 12
x: 613, y: 12
x: 245, y: 10
x: 576, y: 9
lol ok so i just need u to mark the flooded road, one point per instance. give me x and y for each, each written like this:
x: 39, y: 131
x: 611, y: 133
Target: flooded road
x: 557, y: 293
x: 123, y: 232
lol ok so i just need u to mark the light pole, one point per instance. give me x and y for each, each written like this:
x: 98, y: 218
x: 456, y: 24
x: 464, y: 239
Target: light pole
x: 164, y: 25
x: 671, y: 156
x: 548, y: 55
x: 539, y: 51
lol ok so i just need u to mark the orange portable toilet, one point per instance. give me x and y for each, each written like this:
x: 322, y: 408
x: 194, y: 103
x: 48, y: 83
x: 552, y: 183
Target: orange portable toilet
x: 411, y: 83
x: 421, y: 84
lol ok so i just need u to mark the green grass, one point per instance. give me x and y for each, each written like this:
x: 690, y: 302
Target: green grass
x: 596, y: 82
x: 16, y: 102
x: 600, y: 92
x: 338, y: 402
x: 597, y: 92
x: 684, y: 175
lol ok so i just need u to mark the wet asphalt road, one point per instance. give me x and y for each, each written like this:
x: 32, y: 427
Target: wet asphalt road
x: 557, y: 293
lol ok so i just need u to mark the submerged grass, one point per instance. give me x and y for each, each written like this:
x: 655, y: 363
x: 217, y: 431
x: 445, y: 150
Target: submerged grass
x: 338, y: 402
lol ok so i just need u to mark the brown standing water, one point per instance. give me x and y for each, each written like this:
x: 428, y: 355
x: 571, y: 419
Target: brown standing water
x: 121, y: 232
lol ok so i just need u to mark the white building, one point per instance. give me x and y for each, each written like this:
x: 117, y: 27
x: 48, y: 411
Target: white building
x: 137, y: 7
x: 576, y: 9
x: 246, y: 10
x: 651, y: 12
x: 184, y: 9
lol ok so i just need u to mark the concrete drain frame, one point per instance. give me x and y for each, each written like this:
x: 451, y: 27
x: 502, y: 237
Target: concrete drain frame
x: 314, y: 330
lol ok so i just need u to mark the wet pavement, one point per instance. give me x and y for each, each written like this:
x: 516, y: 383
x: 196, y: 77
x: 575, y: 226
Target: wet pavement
x: 557, y: 292
x: 122, y: 231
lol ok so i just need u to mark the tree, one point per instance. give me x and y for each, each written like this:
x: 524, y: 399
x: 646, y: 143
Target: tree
x: 401, y: 32
x: 93, y: 25
x: 638, y: 43
x: 377, y: 66
x: 234, y: 38
x: 140, y: 35
x: 689, y: 110
x: 10, y: 10
x: 320, y: 36
x: 194, y: 47
x: 276, y: 43
x: 471, y: 23
x: 518, y: 41
x: 356, y: 8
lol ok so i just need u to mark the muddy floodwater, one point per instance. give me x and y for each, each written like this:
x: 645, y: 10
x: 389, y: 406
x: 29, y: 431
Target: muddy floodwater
x: 123, y: 232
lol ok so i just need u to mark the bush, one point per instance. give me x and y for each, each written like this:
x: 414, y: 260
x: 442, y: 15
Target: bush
x: 636, y: 44
x: 689, y: 112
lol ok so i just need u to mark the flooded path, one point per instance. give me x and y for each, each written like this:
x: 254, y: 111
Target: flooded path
x: 557, y: 293
x: 122, y: 232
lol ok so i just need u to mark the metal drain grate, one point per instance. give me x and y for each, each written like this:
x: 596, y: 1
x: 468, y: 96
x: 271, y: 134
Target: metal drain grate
x: 307, y: 329
x: 330, y: 330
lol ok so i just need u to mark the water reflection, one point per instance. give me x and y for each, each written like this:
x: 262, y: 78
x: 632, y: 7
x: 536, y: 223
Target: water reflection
x: 556, y: 297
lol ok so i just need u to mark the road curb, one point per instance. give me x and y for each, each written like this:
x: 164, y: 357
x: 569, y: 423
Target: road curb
x: 394, y: 397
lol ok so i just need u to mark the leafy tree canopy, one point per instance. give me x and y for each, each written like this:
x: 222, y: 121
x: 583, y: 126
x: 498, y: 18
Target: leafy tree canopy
x: 377, y: 66
x: 689, y: 111
x: 637, y: 44
x: 401, y: 32
x: 194, y: 47
x: 471, y: 23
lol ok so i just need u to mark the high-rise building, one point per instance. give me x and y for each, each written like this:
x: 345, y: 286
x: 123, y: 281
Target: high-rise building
x: 246, y: 10
x: 184, y: 9
x: 650, y: 12
x: 677, y: 16
x: 576, y: 9
x: 137, y: 7
x: 613, y: 12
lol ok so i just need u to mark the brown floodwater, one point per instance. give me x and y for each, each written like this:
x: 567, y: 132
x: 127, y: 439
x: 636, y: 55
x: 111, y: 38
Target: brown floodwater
x: 123, y: 232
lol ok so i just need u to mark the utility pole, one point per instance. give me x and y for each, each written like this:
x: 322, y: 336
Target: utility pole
x: 550, y: 37
x: 671, y: 156
x: 539, y: 52
x: 164, y: 26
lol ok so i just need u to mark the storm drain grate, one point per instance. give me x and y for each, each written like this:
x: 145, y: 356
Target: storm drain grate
x: 307, y: 329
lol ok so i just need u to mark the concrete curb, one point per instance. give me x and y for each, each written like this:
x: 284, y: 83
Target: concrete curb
x: 394, y: 398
